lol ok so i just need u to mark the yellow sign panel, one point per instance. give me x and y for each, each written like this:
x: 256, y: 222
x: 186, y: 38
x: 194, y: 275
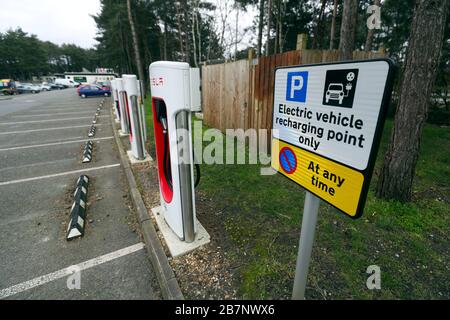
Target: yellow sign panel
x: 338, y: 185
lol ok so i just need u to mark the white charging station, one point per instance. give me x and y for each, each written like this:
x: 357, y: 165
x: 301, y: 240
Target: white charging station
x: 115, y: 97
x: 175, y: 95
x: 137, y: 153
x: 124, y: 123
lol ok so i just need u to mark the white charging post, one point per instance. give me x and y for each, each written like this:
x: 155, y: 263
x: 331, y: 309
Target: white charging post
x: 137, y: 142
x: 124, y: 127
x: 115, y: 96
x: 173, y: 97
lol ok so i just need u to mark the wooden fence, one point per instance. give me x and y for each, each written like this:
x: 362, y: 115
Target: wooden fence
x: 239, y: 95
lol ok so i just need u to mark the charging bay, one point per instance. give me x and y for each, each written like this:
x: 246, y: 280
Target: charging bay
x: 178, y: 248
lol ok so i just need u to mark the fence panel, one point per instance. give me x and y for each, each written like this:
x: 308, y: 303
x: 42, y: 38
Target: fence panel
x: 226, y: 92
x: 239, y: 95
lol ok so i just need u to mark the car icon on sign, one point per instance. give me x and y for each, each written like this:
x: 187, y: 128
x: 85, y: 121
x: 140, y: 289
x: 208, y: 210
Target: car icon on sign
x: 335, y: 92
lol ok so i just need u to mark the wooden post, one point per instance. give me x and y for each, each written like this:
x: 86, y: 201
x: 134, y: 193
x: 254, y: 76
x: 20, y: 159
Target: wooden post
x: 302, y: 41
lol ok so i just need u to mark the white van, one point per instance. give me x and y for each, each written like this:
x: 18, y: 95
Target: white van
x: 67, y: 82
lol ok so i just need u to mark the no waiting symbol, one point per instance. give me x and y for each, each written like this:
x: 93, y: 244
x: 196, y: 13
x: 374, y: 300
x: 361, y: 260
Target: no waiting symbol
x: 288, y: 160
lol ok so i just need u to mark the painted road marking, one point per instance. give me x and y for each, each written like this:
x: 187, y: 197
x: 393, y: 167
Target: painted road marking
x: 51, y: 120
x: 54, y: 144
x: 39, y: 281
x: 54, y: 110
x: 37, y: 164
x: 47, y: 129
x: 52, y: 114
x: 58, y: 175
x: 288, y: 160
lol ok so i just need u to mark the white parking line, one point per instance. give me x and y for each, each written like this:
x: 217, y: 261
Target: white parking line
x: 58, y: 175
x: 51, y: 120
x: 55, y: 110
x: 37, y: 164
x: 47, y: 129
x: 51, y: 114
x: 39, y: 281
x: 54, y: 144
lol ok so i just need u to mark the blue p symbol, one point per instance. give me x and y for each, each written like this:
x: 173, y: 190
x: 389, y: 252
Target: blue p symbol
x: 297, y: 86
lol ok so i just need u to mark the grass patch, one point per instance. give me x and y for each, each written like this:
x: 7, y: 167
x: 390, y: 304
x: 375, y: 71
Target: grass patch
x: 262, y: 216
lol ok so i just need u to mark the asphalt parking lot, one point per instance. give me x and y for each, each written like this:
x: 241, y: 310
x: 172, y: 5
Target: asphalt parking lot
x: 41, y: 141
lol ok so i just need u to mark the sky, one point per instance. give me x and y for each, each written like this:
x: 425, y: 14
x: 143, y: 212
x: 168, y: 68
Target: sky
x: 70, y: 21
x: 58, y: 21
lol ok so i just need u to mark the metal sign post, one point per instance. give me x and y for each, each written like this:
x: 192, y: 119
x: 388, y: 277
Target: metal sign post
x: 309, y: 222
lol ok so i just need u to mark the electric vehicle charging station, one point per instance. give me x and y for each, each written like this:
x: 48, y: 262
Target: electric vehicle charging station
x: 124, y: 123
x: 137, y: 154
x: 115, y: 96
x: 175, y: 95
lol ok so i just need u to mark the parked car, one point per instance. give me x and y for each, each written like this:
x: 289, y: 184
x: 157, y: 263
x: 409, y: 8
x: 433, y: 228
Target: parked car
x: 55, y: 86
x: 93, y: 90
x: 45, y: 86
x: 82, y: 86
x: 8, y: 87
x: 104, y: 84
x: 28, y: 88
x: 67, y: 82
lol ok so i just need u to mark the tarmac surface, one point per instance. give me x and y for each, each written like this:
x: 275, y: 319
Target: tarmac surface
x: 41, y: 144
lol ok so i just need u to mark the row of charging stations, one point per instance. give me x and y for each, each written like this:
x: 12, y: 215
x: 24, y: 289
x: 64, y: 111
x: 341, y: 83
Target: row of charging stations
x: 130, y: 112
x: 175, y: 89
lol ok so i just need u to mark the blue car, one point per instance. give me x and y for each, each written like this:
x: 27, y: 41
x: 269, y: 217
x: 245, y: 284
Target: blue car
x: 92, y: 91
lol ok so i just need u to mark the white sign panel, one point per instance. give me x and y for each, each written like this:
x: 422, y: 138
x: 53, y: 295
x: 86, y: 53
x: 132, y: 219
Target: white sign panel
x: 332, y: 109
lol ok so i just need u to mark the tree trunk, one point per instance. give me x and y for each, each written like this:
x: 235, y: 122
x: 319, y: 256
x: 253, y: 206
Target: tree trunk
x: 348, y: 30
x: 420, y: 68
x: 317, y: 40
x: 269, y: 24
x: 282, y: 12
x: 260, y: 26
x: 165, y: 41
x: 194, y: 43
x: 185, y: 10
x: 180, y: 32
x: 370, y: 32
x: 236, y: 34
x: 333, y: 25
x: 136, y: 48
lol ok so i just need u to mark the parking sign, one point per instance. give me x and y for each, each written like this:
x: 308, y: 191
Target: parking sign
x: 329, y: 119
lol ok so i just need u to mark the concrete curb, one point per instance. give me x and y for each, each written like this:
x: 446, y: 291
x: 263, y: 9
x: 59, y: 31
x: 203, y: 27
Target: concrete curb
x: 168, y: 283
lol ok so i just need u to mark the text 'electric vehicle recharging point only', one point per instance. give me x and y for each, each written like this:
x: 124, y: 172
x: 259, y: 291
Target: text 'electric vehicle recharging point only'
x: 175, y: 95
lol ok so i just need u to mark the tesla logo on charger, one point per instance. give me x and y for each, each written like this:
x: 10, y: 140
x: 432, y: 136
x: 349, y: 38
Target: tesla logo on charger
x: 157, y: 81
x: 297, y: 86
x: 340, y: 88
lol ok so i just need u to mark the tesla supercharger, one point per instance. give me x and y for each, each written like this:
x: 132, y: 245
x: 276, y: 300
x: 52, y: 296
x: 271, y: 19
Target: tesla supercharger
x: 124, y: 123
x: 172, y: 106
x: 115, y: 96
x: 130, y: 84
